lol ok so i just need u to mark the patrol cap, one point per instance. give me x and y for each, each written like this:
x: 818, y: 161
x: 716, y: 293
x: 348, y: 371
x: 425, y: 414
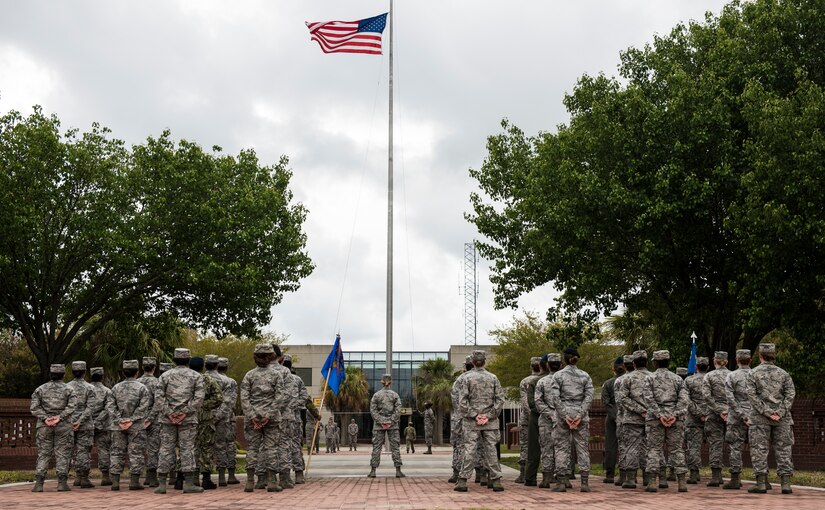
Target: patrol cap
x: 661, y: 355
x: 78, y: 365
x: 681, y: 371
x: 264, y: 349
x: 223, y: 362
x: 767, y: 349
x: 150, y: 360
x: 165, y: 366
x: 287, y: 357
x: 96, y: 371
x: 130, y: 363
x: 721, y: 355
x: 639, y: 354
x: 479, y: 355
x: 211, y: 358
x: 553, y: 356
x: 57, y: 369
x: 702, y: 360
x: 182, y: 353
x: 628, y: 358
x: 743, y: 354
x: 535, y: 360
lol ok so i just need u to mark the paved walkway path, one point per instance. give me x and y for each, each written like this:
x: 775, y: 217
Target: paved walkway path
x: 338, y: 481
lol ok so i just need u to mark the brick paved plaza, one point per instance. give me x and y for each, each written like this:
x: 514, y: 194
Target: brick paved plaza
x: 339, y: 482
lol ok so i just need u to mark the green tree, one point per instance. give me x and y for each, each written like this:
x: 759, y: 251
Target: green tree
x: 91, y: 231
x: 353, y: 397
x: 433, y: 382
x: 19, y: 375
x: 688, y: 190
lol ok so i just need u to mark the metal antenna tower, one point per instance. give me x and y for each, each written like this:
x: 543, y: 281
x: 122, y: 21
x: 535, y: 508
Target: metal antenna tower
x: 470, y: 294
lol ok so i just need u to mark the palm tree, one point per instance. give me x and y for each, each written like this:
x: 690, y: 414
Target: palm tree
x: 433, y: 382
x: 353, y: 397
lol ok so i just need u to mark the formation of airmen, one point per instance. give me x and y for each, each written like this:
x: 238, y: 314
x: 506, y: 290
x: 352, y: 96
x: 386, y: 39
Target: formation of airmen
x: 175, y: 425
x: 656, y: 420
x: 181, y: 423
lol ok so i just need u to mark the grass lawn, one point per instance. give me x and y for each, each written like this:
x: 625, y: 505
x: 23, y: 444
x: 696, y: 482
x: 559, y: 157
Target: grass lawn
x: 808, y: 478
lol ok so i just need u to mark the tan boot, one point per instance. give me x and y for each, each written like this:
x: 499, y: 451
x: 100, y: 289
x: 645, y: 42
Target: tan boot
x: 561, y: 484
x: 38, y: 484
x: 716, y: 477
x: 682, y: 483
x: 694, y: 477
x: 734, y: 483
x: 786, y: 484
x: 461, y: 485
x: 116, y: 482
x: 262, y: 480
x: 546, y: 476
x: 299, y: 478
x: 161, y: 488
x: 759, y: 488
x: 250, y: 483
x: 134, y: 482
x: 663, y: 478
x: 630, y: 480
x: 585, y: 485
x: 189, y: 486
x: 652, y: 485
x: 496, y: 485
x: 273, y: 485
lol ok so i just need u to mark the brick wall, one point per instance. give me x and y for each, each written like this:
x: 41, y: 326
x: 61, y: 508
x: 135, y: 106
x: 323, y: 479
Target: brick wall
x: 17, y: 434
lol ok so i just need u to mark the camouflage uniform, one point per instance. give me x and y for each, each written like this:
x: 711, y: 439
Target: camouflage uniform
x: 630, y: 395
x: 665, y: 395
x: 572, y: 391
x: 621, y: 437
x: 736, y: 390
x: 481, y: 393
x: 180, y: 389
x: 457, y: 427
x: 263, y: 396
x: 286, y: 423
x: 533, y: 431
x: 225, y: 426
x: 102, y: 421
x: 543, y: 400
x: 205, y: 435
x: 153, y: 430
x: 329, y: 435
x: 296, y: 458
x: 385, y: 407
x: 310, y: 434
x: 713, y: 388
x: 524, y: 415
x: 84, y: 435
x: 352, y: 430
x: 429, y: 427
x: 611, y: 444
x: 54, y: 398
x: 129, y: 401
x: 695, y: 432
x: 771, y: 390
x: 409, y: 437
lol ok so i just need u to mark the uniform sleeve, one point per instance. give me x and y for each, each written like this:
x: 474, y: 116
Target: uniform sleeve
x: 730, y: 395
x: 531, y: 396
x: 609, y: 397
x: 588, y: 395
x: 498, y: 399
x: 197, y: 398
x: 396, y: 409
x: 683, y: 400
x: 540, y: 400
x: 71, y: 404
x: 464, y: 400
x: 279, y: 386
x: 161, y: 404
x: 555, y: 394
x: 142, y: 410
x: 651, y: 405
x: 621, y: 394
x: 631, y: 403
x: 248, y: 411
x: 213, y: 398
x: 374, y: 407
x: 757, y: 404
x: 693, y: 408
x: 112, y: 408
x: 788, y: 395
x: 91, y: 399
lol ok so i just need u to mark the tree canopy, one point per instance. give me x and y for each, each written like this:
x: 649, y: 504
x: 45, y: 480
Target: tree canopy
x: 92, y: 231
x: 688, y: 190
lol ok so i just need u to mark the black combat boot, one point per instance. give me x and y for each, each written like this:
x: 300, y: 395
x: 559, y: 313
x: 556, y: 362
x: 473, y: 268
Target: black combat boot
x: 231, y: 480
x: 221, y: 477
x: 694, y: 476
x: 609, y: 477
x: 206, y: 481
x: 178, y: 480
x: 151, y: 478
x: 372, y: 473
x: 454, y: 478
x: 478, y: 475
x: 286, y: 481
x: 622, y: 477
x: 85, y: 483
x: 262, y: 481
x: 398, y: 473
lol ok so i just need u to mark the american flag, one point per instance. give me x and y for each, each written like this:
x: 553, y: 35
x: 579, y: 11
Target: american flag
x: 362, y: 36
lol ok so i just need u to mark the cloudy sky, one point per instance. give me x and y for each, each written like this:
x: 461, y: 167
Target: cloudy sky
x: 244, y: 74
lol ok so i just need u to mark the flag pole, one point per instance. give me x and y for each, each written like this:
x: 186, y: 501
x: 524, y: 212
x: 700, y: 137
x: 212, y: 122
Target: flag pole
x: 317, y: 423
x: 389, y: 215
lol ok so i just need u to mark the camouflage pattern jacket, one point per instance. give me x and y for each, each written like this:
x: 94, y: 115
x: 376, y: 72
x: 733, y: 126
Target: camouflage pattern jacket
x: 262, y: 394
x: 631, y: 398
x: 180, y: 389
x: 54, y: 398
x: 665, y: 395
x: 770, y: 390
x: 572, y: 391
x: 480, y: 393
x: 385, y: 407
x: 736, y: 391
x: 129, y: 400
x: 697, y: 407
x: 83, y: 411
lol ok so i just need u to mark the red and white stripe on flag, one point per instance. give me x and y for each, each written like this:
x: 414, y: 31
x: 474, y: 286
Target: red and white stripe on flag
x: 363, y: 36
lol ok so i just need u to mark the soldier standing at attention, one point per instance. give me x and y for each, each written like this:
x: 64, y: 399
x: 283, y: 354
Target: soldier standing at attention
x: 300, y: 401
x: 771, y: 393
x: 611, y: 443
x: 329, y: 435
x: 263, y: 399
x: 152, y: 428
x: 695, y: 430
x: 524, y: 416
x: 290, y: 402
x: 531, y: 469
x: 429, y: 426
x: 385, y: 408
x: 572, y: 391
x: 82, y: 424
x: 456, y: 425
x: 543, y: 400
x: 713, y: 388
x: 225, y: 428
x: 102, y: 420
x: 631, y: 398
x: 620, y: 434
x: 352, y: 430
x: 53, y: 404
x: 736, y: 390
x: 480, y: 401
x: 409, y: 437
x: 212, y: 402
x: 128, y: 406
x: 178, y: 397
x: 667, y: 402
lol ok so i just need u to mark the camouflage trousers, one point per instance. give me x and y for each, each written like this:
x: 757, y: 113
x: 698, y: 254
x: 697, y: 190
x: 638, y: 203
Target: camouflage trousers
x: 128, y: 445
x: 297, y: 458
x: 353, y: 442
x: 736, y: 436
x: 546, y: 443
x: 330, y: 442
x: 694, y: 435
x: 310, y: 433
x: 394, y: 439
x: 152, y: 448
x: 82, y: 454
x: 633, y: 450
x: 715, y: 433
x: 565, y: 438
x: 765, y: 433
x: 410, y: 445
x: 57, y: 440
x: 174, y: 438
x: 262, y: 446
x: 522, y: 442
x: 480, y: 444
x: 428, y: 436
x: 103, y: 442
x: 205, y: 446
x: 458, y: 448
x: 657, y: 437
x: 225, y: 443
